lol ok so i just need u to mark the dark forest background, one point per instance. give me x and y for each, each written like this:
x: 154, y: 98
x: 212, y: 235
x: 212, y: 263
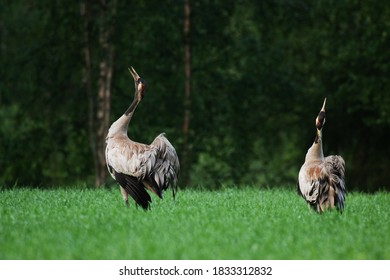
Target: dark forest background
x: 236, y: 86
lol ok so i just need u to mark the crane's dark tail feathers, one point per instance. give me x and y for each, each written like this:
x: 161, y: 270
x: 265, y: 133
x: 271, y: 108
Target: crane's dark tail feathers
x: 135, y: 189
x: 340, y: 195
x: 155, y: 188
x: 171, y: 179
x: 173, y: 186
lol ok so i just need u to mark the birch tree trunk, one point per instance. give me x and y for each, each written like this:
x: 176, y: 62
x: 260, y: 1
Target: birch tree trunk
x: 99, y: 115
x: 106, y: 28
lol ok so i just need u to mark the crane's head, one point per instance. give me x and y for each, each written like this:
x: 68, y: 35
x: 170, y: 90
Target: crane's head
x: 320, y: 120
x: 139, y: 83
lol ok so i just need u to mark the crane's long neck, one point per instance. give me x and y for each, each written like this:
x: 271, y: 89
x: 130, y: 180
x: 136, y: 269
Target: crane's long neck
x: 129, y: 112
x: 315, y: 152
x: 120, y: 125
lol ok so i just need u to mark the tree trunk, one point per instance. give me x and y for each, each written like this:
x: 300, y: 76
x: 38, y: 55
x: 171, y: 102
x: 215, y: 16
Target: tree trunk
x: 87, y: 82
x: 97, y: 128
x: 185, y: 178
x: 106, y: 29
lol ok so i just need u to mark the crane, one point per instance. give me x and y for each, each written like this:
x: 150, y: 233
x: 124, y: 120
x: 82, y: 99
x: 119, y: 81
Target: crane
x: 321, y: 179
x: 138, y: 167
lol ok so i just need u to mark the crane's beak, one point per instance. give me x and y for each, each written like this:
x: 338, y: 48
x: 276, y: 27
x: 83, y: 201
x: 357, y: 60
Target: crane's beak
x: 134, y: 74
x: 323, y: 106
x: 320, y: 120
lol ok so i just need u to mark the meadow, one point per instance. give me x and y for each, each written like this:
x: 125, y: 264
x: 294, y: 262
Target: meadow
x: 231, y: 223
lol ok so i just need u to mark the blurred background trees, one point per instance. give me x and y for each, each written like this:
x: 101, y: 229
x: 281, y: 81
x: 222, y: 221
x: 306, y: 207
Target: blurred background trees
x: 259, y: 73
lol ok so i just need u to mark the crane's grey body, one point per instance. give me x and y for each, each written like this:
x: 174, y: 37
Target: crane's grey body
x: 321, y: 179
x: 136, y: 166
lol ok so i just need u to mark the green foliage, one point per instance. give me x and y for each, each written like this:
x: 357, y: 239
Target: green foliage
x: 233, y: 223
x: 42, y: 137
x: 260, y: 71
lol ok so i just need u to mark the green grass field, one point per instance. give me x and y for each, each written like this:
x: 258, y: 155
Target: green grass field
x: 246, y: 223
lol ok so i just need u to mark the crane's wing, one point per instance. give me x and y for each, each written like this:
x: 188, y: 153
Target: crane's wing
x: 334, y: 170
x: 167, y: 167
x: 131, y: 158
